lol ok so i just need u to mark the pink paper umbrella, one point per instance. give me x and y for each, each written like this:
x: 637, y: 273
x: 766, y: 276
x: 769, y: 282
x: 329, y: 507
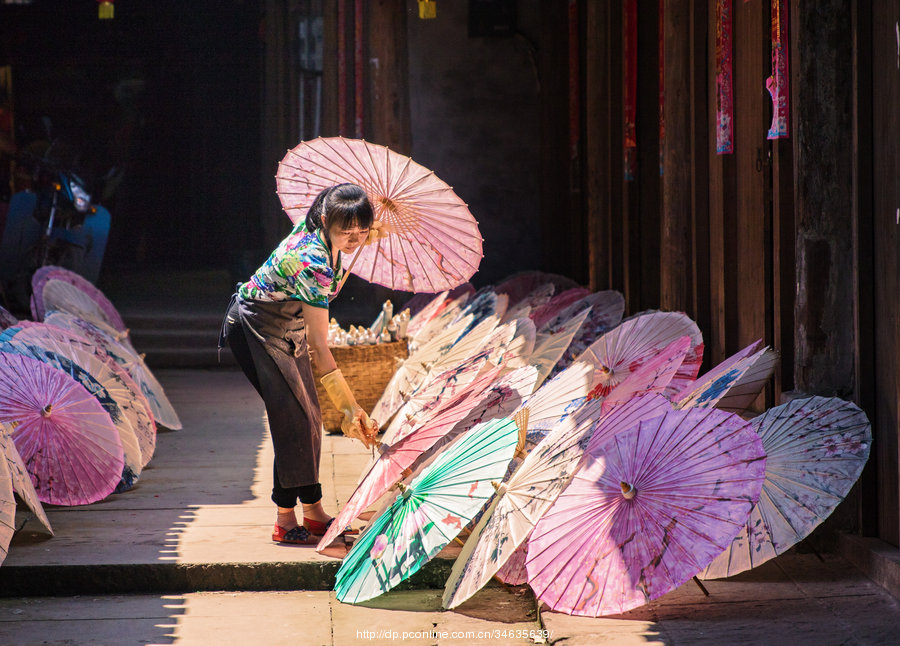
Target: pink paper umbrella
x: 636, y: 340
x: 650, y: 508
x: 654, y: 376
x: 65, y: 437
x: 100, y: 303
x: 392, y: 461
x: 434, y: 242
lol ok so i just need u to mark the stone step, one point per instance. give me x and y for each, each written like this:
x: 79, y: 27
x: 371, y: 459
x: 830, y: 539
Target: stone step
x: 187, y: 357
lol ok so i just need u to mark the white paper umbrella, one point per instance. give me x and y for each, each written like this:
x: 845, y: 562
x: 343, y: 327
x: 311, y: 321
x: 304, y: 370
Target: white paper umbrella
x: 151, y: 392
x: 734, y: 384
x: 607, y: 308
x: 21, y: 481
x: 418, y: 320
x: 636, y: 340
x: 64, y: 296
x: 412, y: 371
x: 817, y: 448
x: 438, y: 324
x: 522, y: 345
x: 7, y: 510
x: 549, y: 346
x: 40, y: 306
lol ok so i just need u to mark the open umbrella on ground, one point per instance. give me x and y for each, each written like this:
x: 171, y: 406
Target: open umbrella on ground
x: 732, y: 385
x: 427, y: 312
x: 817, y: 448
x: 428, y: 514
x: 532, y: 301
x: 434, y: 243
x: 150, y: 389
x: 79, y: 359
x: 66, y: 297
x: 635, y: 341
x: 649, y: 510
x: 21, y: 481
x: 66, y: 438
x: 41, y: 303
x: 7, y: 510
x: 560, y: 302
x: 437, y: 324
x: 529, y: 492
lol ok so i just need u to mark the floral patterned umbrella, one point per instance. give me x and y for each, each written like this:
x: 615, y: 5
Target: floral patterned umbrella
x: 607, y: 308
x: 734, y: 384
x: 518, y: 285
x: 21, y: 481
x: 434, y: 243
x: 550, y: 345
x: 437, y: 324
x: 418, y: 320
x: 635, y: 341
x: 530, y: 491
x: 561, y: 302
x: 428, y: 514
x: 66, y: 438
x: 650, y: 508
x: 534, y: 300
x: 817, y: 448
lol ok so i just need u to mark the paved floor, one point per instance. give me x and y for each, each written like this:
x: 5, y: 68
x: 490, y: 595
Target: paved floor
x: 184, y: 558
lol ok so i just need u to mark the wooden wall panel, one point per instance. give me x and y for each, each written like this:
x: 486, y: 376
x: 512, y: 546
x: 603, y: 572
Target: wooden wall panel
x: 750, y: 227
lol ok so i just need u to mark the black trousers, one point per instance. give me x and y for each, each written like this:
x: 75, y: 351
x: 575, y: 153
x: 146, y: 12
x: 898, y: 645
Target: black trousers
x: 282, y: 496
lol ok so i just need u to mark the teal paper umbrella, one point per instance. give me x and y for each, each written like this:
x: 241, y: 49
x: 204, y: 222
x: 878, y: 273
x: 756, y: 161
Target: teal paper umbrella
x: 429, y: 513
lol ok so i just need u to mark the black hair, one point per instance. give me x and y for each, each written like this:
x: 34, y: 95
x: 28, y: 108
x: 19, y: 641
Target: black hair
x: 343, y: 204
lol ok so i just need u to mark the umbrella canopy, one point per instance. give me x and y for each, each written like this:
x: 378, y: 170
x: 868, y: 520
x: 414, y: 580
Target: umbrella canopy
x: 85, y: 363
x: 21, y: 481
x: 151, y: 394
x: 734, y: 384
x: 607, y: 308
x: 528, y: 494
x: 434, y: 243
x: 550, y: 309
x: 536, y: 299
x: 7, y: 510
x: 66, y: 438
x: 650, y: 508
x: 438, y: 323
x: 635, y: 341
x: 428, y: 513
x: 40, y: 304
x: 426, y: 313
x: 817, y: 448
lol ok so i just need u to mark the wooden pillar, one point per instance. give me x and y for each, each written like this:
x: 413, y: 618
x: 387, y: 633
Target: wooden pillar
x: 388, y: 72
x: 676, y: 267
x: 600, y: 129
x: 823, y: 160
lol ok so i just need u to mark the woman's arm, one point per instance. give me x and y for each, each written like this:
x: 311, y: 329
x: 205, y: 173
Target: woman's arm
x: 316, y: 319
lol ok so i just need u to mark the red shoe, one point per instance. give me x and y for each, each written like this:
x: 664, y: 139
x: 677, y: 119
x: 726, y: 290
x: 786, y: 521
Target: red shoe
x: 299, y: 535
x: 318, y: 528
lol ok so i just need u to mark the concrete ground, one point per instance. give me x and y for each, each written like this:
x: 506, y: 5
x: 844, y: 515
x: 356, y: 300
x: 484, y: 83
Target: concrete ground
x: 185, y: 558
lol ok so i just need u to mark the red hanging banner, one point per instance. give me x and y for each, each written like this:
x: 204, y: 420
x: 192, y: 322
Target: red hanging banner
x: 724, y: 87
x: 778, y: 84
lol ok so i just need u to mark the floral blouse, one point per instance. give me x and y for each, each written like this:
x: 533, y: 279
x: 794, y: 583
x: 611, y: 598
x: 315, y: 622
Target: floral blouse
x: 299, y: 268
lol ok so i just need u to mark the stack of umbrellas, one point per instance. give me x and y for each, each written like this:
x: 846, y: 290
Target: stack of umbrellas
x: 610, y: 474
x: 79, y: 408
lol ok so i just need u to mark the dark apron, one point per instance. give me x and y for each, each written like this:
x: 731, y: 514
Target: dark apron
x: 276, y: 335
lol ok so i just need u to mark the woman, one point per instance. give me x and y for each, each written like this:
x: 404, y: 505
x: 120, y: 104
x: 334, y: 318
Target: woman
x: 276, y: 322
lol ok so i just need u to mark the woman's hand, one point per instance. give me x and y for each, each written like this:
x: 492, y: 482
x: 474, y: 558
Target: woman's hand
x: 378, y: 231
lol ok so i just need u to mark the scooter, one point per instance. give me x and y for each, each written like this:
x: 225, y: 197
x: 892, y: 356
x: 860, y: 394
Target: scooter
x: 55, y: 222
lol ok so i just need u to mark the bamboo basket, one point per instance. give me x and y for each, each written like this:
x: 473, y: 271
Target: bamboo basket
x: 367, y: 369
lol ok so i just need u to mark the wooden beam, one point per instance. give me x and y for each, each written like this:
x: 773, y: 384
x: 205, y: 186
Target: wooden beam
x: 388, y: 73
